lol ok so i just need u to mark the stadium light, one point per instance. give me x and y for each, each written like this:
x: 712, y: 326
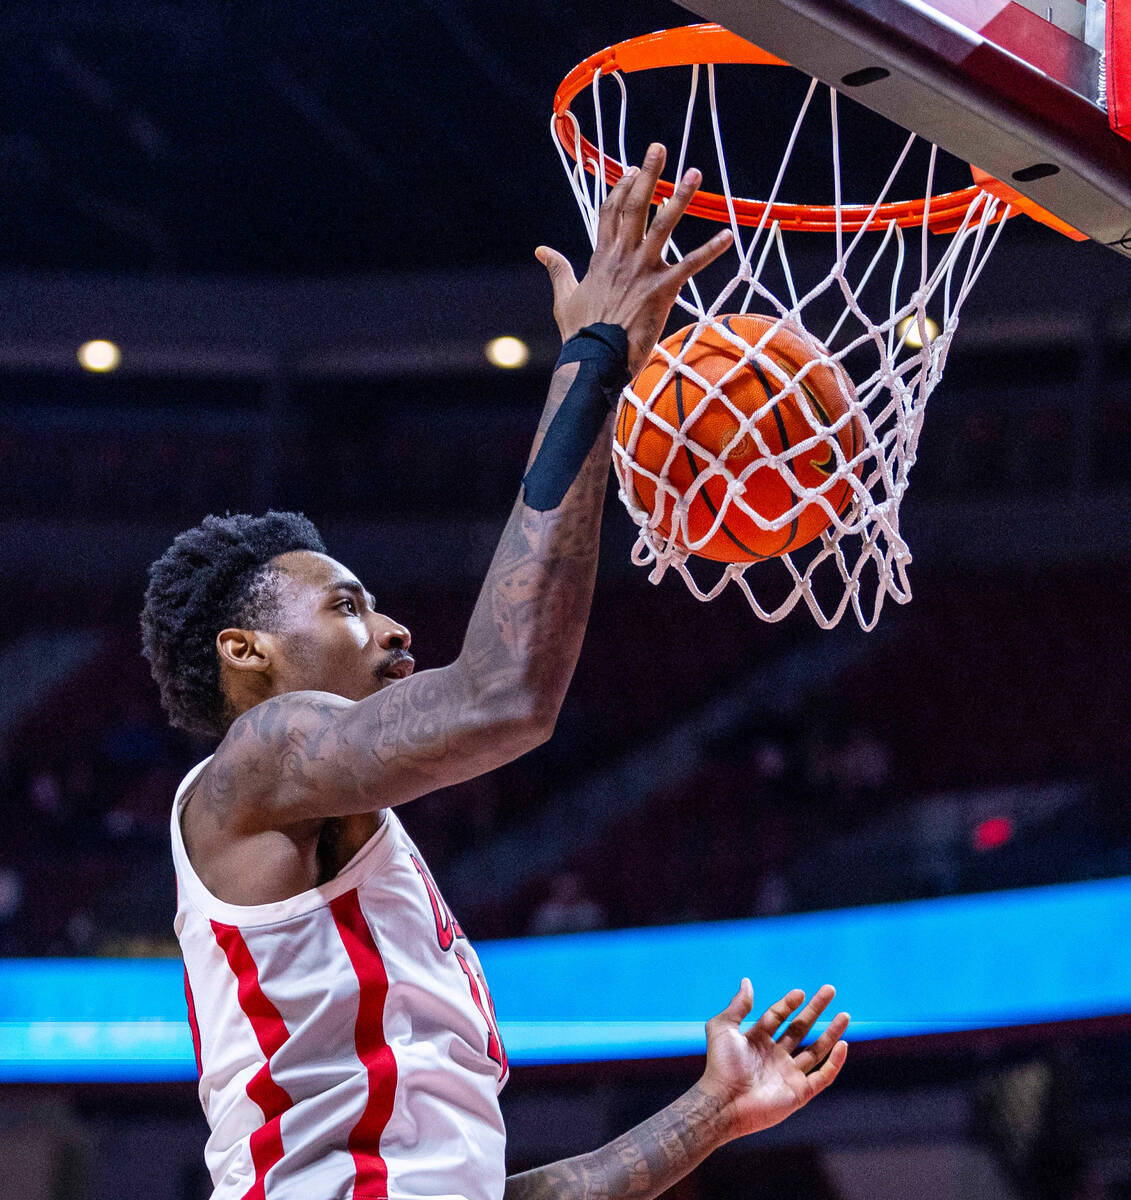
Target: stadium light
x: 99, y: 356
x: 909, y: 326
x: 507, y: 352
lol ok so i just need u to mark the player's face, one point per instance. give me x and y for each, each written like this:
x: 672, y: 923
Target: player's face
x: 332, y: 638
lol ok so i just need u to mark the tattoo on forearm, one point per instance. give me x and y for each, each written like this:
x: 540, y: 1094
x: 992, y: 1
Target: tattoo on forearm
x: 531, y: 615
x: 637, y: 1166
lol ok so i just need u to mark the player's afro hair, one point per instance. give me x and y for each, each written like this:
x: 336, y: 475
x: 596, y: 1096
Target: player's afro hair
x: 212, y: 577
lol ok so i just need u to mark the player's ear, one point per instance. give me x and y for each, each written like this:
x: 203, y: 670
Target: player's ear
x: 244, y: 649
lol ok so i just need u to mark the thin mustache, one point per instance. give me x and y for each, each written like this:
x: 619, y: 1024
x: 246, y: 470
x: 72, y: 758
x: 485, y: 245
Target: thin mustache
x: 391, y: 660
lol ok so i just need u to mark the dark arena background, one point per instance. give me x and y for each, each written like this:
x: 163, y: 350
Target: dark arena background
x: 301, y: 226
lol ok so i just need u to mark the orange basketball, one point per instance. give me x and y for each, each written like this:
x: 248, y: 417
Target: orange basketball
x: 770, y: 491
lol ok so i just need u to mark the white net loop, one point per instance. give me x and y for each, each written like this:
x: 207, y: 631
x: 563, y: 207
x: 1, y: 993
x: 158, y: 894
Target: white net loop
x: 864, y: 324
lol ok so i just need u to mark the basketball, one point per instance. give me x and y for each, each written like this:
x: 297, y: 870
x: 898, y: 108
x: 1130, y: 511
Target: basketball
x: 770, y: 491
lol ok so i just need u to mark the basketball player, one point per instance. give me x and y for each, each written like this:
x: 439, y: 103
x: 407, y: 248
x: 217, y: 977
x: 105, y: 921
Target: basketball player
x: 346, y: 1040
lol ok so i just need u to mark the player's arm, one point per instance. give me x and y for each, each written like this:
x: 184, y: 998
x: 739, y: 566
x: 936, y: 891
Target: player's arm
x: 750, y: 1082
x: 304, y: 755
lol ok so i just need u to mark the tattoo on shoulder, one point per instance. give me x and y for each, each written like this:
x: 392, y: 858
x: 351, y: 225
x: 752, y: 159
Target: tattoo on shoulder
x: 264, y: 748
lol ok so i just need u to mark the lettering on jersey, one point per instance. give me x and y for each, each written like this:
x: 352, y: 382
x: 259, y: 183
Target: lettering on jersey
x: 447, y: 927
x: 496, y: 1051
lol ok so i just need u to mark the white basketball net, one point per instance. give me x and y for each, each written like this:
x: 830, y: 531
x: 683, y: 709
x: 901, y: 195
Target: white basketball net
x: 870, y: 305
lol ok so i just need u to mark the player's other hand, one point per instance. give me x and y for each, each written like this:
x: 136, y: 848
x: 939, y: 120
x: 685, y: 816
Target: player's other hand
x: 761, y: 1081
x: 628, y: 283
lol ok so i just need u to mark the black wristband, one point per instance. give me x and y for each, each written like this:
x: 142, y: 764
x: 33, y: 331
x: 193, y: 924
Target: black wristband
x: 601, y: 352
x: 606, y: 347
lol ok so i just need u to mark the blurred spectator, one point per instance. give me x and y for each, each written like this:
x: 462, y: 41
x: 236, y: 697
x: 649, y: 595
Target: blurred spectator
x: 567, y: 909
x: 769, y: 760
x: 863, y: 766
x: 45, y: 793
x: 11, y: 902
x: 45, y: 809
x: 773, y: 896
x: 80, y: 931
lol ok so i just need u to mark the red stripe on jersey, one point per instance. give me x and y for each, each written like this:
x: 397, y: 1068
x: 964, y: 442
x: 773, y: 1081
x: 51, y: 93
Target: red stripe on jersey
x: 372, y: 1175
x: 266, y: 1143
x: 194, y: 1025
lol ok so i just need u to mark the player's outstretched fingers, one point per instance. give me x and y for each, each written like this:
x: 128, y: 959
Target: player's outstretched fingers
x: 737, y: 1010
x: 820, y: 1079
x: 778, y: 1012
x: 557, y: 267
x: 801, y: 1024
x: 702, y: 255
x: 562, y: 279
x: 669, y: 214
x: 638, y: 202
x: 609, y: 220
x: 814, y: 1055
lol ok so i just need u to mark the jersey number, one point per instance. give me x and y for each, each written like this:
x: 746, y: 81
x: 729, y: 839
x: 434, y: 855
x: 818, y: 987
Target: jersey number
x: 496, y: 1051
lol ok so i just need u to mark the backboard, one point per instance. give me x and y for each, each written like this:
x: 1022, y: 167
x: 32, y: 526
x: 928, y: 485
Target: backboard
x: 1020, y: 90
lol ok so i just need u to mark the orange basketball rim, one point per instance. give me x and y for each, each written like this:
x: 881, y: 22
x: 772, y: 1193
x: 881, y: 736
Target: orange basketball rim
x: 710, y: 43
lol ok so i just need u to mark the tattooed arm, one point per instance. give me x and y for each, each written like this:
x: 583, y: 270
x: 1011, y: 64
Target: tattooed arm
x: 307, y: 756
x: 640, y: 1164
x: 750, y: 1082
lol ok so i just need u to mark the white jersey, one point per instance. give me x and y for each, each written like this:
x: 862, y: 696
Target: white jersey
x: 345, y: 1037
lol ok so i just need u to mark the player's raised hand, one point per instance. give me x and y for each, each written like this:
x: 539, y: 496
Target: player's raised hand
x: 761, y: 1081
x: 628, y: 282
